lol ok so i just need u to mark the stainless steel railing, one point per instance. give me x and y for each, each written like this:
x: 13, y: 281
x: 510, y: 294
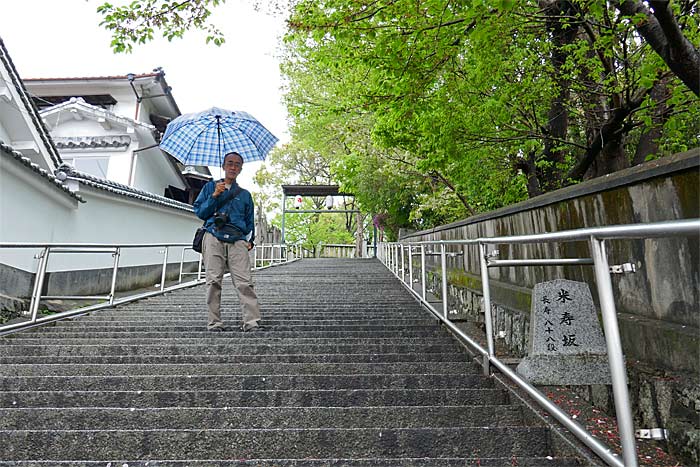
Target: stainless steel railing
x: 110, y: 300
x: 271, y: 254
x: 398, y: 258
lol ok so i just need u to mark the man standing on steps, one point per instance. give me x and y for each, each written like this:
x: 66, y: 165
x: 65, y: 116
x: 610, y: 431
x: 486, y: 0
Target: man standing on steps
x: 227, y: 210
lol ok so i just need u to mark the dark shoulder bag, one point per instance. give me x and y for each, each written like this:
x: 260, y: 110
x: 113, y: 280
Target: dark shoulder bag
x: 199, y: 233
x: 198, y: 238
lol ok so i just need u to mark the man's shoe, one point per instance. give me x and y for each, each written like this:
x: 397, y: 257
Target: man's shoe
x: 217, y: 329
x: 257, y: 328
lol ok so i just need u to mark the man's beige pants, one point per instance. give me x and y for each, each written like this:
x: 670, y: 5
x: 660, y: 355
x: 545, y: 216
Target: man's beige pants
x: 216, y: 254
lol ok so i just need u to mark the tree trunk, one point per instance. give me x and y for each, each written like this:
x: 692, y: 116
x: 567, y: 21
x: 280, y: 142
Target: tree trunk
x: 359, y: 239
x: 528, y: 168
x: 563, y: 32
x: 648, y: 141
x: 611, y: 159
x: 601, y: 135
x: 664, y: 35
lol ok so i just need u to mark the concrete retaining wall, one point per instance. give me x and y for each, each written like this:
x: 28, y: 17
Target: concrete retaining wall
x: 17, y: 284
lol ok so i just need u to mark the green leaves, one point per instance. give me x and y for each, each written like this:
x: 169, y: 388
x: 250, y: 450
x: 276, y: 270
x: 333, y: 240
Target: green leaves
x: 433, y: 110
x: 137, y: 22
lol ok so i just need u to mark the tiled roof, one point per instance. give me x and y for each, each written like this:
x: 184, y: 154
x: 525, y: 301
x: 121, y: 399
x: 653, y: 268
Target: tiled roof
x: 50, y: 178
x: 95, y: 78
x: 122, y: 190
x: 77, y: 103
x: 158, y: 75
x: 28, y: 104
x: 93, y: 142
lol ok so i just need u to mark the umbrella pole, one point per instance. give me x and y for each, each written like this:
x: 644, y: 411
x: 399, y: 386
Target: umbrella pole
x: 218, y: 137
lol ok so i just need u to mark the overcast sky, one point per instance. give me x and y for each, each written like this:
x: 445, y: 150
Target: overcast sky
x: 62, y: 38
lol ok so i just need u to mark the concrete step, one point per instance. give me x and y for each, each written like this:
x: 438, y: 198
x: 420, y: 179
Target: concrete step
x: 233, y: 358
x: 548, y: 461
x: 155, y: 333
x: 238, y: 369
x: 121, y: 321
x: 252, y: 398
x: 229, y: 347
x: 226, y: 338
x: 254, y: 418
x: 169, y: 382
x: 276, y: 326
x: 352, y: 371
x: 307, y: 312
x: 275, y: 443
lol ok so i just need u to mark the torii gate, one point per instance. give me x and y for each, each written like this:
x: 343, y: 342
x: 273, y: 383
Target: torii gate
x: 319, y: 190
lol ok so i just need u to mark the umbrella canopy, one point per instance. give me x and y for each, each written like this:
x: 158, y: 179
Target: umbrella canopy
x: 204, y: 138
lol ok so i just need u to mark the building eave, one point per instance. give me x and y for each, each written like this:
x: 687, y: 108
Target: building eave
x: 48, y: 178
x: 121, y: 190
x: 32, y: 111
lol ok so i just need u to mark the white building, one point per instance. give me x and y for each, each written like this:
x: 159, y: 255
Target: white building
x: 110, y: 126
x: 121, y: 189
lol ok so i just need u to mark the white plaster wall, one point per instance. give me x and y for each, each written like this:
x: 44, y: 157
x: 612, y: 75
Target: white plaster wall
x: 126, y: 102
x: 119, y: 165
x: 3, y: 133
x: 153, y: 173
x: 32, y: 211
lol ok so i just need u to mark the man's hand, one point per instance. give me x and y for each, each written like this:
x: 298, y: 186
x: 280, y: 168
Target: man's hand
x: 250, y: 245
x: 220, y: 188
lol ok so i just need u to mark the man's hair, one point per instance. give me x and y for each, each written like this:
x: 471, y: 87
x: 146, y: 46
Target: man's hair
x: 230, y: 154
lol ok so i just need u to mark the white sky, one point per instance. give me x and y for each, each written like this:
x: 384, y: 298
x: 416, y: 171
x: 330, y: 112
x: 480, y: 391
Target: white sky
x: 62, y: 38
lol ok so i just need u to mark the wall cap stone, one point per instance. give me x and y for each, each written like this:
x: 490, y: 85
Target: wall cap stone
x: 676, y: 163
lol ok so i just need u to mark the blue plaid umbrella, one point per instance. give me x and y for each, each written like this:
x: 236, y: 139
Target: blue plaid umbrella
x: 204, y: 138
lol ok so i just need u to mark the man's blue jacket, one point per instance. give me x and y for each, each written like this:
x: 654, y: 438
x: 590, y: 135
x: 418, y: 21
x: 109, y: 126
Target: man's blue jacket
x: 239, y: 209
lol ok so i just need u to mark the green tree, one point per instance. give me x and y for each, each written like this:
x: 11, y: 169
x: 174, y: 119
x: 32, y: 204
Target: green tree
x: 295, y: 165
x: 432, y: 110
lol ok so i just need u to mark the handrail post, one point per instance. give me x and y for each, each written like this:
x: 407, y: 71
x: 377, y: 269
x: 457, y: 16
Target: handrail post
x: 403, y: 264
x: 410, y: 265
x: 391, y: 258
x: 39, y: 283
x: 422, y: 270
x: 182, y: 263
x: 486, y: 292
x: 443, y: 267
x: 117, y: 253
x: 618, y: 371
x: 199, y: 267
x: 390, y: 254
x: 396, y: 259
x: 165, y: 265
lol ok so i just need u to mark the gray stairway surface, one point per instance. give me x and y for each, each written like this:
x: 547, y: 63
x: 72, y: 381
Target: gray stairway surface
x: 350, y: 371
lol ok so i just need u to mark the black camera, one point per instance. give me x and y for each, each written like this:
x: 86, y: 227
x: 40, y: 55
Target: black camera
x: 220, y: 219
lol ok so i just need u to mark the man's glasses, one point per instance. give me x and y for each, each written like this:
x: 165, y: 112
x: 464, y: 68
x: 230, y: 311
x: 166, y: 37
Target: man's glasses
x: 233, y: 164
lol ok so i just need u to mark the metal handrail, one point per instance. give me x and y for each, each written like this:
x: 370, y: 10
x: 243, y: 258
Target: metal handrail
x: 393, y: 257
x: 287, y: 254
x: 46, y: 249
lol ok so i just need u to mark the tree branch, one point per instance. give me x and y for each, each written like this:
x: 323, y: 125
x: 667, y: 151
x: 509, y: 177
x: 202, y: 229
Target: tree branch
x: 663, y: 34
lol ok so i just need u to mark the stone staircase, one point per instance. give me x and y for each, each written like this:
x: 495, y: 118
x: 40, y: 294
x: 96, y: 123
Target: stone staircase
x: 350, y: 372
